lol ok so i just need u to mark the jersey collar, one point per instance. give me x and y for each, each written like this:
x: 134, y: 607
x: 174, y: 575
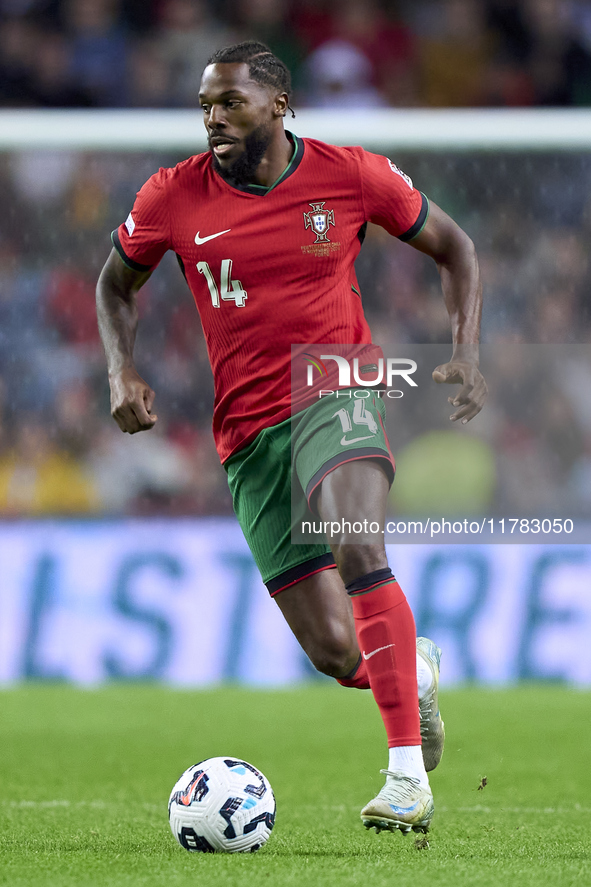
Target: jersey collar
x: 296, y: 159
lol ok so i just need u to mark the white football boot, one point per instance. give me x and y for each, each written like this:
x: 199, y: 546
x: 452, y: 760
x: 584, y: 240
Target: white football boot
x: 432, y: 728
x: 401, y: 804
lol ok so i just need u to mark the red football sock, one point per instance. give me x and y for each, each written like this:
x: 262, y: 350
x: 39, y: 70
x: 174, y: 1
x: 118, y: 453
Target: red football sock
x: 386, y: 633
x: 358, y: 678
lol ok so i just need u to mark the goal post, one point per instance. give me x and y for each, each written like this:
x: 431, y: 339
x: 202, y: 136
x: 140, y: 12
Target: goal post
x: 378, y: 130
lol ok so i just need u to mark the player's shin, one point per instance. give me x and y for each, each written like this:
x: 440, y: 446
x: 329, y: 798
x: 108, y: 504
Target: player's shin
x: 359, y: 678
x: 386, y: 633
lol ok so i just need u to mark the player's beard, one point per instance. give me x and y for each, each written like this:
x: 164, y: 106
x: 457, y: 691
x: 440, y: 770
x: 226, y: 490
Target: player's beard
x: 243, y: 170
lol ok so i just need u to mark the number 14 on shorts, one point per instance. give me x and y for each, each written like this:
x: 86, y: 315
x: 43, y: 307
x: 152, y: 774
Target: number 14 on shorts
x: 229, y: 290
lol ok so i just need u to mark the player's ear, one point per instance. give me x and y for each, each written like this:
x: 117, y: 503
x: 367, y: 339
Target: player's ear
x: 281, y: 105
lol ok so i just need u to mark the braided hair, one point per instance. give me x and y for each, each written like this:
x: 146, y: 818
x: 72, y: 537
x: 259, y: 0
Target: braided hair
x: 263, y: 66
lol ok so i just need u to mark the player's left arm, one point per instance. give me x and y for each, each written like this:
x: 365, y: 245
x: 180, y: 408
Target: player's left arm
x: 455, y: 257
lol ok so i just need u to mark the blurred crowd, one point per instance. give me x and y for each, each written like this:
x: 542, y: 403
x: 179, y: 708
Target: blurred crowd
x: 61, y: 453
x: 529, y: 215
x: 347, y: 53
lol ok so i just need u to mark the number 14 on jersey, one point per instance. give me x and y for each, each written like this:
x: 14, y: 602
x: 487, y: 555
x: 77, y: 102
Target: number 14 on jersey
x: 229, y: 290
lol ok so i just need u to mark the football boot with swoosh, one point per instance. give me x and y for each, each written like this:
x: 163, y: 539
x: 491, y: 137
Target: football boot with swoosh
x: 403, y: 804
x: 432, y: 728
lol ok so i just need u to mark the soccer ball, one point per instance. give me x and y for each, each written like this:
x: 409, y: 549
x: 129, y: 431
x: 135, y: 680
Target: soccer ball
x: 222, y: 805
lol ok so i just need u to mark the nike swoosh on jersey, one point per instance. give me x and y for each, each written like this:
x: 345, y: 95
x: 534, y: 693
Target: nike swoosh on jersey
x: 373, y: 652
x: 199, y: 240
x: 345, y: 442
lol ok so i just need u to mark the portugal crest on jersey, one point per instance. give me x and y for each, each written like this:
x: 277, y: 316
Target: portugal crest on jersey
x: 319, y: 220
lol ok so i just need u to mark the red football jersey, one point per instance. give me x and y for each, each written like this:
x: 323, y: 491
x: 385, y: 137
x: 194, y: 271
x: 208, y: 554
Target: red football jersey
x: 269, y: 267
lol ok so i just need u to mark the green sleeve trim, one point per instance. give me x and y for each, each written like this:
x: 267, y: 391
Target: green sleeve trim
x: 420, y: 223
x: 133, y: 266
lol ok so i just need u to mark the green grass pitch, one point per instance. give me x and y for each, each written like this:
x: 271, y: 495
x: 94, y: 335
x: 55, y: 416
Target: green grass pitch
x: 85, y: 778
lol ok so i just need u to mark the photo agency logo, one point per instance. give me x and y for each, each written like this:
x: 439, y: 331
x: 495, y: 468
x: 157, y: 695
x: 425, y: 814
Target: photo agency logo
x: 376, y: 378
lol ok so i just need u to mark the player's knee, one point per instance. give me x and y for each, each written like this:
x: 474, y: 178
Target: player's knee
x: 336, y: 655
x: 354, y: 561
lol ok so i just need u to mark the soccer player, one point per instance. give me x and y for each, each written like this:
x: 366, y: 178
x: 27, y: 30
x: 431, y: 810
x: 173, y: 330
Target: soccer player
x: 242, y: 219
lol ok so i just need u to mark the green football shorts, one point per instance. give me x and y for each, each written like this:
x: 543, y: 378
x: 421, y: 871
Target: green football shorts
x: 274, y: 480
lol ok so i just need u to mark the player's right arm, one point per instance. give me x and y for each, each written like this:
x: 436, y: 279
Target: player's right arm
x: 117, y: 313
x: 391, y: 201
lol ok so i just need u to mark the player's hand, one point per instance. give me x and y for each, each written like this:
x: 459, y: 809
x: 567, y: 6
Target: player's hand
x: 131, y: 402
x: 471, y: 396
